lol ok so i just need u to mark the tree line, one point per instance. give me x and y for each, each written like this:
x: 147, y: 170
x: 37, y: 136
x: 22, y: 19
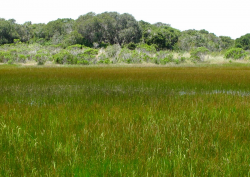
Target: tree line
x: 109, y: 28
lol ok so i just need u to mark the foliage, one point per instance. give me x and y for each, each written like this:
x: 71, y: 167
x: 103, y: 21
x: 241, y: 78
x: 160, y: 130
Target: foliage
x: 76, y: 46
x: 191, y: 39
x: 163, y: 57
x: 113, y: 51
x: 131, y: 46
x: 226, y: 42
x: 40, y: 58
x: 87, y: 57
x: 235, y: 53
x: 7, y: 31
x: 199, y: 53
x: 130, y: 56
x: 73, y: 38
x: 243, y: 42
x: 22, y: 58
x: 161, y: 35
x: 108, y: 27
x: 64, y: 57
x: 145, y: 48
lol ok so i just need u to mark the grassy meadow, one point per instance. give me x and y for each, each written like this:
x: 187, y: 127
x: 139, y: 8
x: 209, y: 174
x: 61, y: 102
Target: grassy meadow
x: 124, y: 121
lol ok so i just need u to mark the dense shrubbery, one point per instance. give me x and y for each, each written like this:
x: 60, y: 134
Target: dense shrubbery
x: 78, y: 54
x: 191, y: 39
x: 199, y: 53
x: 235, y: 53
x: 107, y: 38
x: 82, y: 55
x: 243, y: 42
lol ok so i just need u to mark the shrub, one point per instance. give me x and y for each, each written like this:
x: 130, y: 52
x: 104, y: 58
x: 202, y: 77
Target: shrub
x: 86, y: 57
x: 77, y: 46
x: 21, y: 58
x: 82, y: 62
x: 129, y: 56
x: 11, y: 61
x: 177, y: 61
x: 1, y: 56
x: 103, y: 59
x: 91, y: 51
x: 199, y: 53
x: 125, y: 55
x: 113, y: 50
x: 104, y: 45
x: 40, y: 58
x: 182, y: 59
x: 131, y: 46
x: 64, y: 57
x: 167, y: 58
x: 145, y: 57
x: 235, y: 53
x: 6, y: 56
x: 146, y: 48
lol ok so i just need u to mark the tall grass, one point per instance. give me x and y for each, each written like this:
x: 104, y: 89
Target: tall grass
x: 84, y: 121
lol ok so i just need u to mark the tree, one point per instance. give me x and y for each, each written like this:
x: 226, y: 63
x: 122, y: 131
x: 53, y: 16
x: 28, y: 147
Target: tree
x: 73, y: 38
x: 243, y: 41
x: 58, y: 27
x: 159, y: 34
x: 191, y: 39
x: 25, y: 31
x: 108, y: 27
x: 7, y: 31
x: 227, y: 42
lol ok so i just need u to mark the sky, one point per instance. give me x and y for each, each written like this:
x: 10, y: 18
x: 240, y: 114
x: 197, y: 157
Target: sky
x: 221, y: 17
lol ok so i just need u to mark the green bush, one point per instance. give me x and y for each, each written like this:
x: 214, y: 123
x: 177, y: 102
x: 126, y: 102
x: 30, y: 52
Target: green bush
x: 87, y: 57
x: 199, y: 53
x: 167, y: 58
x: 64, y: 57
x: 22, y: 58
x: 235, y: 53
x: 6, y: 56
x: 145, y: 48
x: 113, y: 51
x: 91, y: 51
x: 105, y: 61
x: 131, y: 46
x: 129, y: 56
x: 145, y: 57
x: 125, y: 55
x: 103, y: 45
x: 83, y: 62
x: 1, y: 56
x: 76, y: 46
x: 40, y: 58
x: 177, y: 61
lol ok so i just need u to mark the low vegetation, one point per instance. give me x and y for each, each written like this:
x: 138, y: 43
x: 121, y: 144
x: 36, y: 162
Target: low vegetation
x: 116, y: 121
x: 112, y: 54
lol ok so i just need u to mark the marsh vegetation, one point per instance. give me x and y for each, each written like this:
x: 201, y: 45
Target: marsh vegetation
x: 124, y: 121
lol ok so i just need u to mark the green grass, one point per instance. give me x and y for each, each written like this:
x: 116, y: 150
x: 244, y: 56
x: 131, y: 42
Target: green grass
x: 124, y: 121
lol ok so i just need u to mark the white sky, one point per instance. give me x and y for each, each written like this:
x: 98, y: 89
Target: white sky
x: 222, y: 17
